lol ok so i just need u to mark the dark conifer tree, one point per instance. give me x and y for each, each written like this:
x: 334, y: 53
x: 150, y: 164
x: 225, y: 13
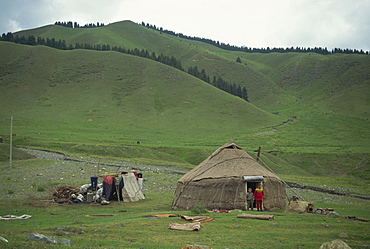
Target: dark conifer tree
x: 153, y: 56
x: 244, y: 94
x: 31, y: 40
x: 40, y: 40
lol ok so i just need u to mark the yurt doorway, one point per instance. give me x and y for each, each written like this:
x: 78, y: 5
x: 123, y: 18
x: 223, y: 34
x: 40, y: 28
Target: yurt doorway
x: 252, y: 185
x: 252, y: 182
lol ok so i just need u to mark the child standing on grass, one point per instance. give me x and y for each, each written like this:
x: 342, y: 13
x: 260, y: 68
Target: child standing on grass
x: 250, y: 199
x: 258, y: 195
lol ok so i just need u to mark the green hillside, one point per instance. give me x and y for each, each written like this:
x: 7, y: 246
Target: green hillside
x: 215, y: 61
x: 118, y: 93
x: 302, y: 105
x: 273, y: 80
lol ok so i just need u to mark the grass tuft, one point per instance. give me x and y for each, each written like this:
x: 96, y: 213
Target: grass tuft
x: 198, y: 209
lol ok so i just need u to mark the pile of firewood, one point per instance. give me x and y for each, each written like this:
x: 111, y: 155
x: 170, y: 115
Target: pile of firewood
x: 63, y: 193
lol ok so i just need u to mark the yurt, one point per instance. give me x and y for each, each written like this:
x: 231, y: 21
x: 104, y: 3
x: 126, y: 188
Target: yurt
x: 221, y: 182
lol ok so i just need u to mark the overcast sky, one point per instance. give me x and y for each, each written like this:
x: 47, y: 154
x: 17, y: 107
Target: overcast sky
x: 257, y: 23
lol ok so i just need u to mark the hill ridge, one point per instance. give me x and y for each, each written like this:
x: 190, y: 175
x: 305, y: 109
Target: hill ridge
x: 223, y: 45
x: 218, y: 82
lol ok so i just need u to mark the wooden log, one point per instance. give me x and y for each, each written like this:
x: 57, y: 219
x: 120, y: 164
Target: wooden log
x: 256, y: 216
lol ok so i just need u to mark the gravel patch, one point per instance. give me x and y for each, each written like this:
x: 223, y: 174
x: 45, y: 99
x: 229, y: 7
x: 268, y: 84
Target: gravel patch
x: 123, y: 165
x: 58, y: 168
x: 44, y: 154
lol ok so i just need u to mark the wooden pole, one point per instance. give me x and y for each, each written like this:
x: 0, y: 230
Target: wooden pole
x: 258, y: 153
x: 97, y: 172
x: 11, y: 143
x: 117, y: 191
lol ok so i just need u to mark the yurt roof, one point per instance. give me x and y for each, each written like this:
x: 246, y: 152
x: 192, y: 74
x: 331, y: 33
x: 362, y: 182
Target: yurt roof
x: 229, y: 160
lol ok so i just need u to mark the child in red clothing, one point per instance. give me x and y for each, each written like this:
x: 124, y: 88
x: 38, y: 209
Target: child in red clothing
x: 258, y: 196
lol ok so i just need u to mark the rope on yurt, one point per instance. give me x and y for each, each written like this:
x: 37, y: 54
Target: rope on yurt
x: 174, y: 203
x: 281, y: 180
x: 246, y: 170
x: 223, y: 186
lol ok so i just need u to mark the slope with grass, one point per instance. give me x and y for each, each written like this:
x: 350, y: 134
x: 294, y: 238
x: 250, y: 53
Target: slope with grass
x: 215, y: 61
x: 113, y: 95
x: 95, y: 102
x: 273, y: 80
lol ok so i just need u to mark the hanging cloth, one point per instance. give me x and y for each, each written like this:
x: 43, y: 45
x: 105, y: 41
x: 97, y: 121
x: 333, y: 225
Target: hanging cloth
x: 108, y: 186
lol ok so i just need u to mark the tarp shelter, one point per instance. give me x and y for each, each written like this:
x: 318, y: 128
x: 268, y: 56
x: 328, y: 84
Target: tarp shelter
x: 126, y: 186
x: 221, y: 181
x: 131, y: 191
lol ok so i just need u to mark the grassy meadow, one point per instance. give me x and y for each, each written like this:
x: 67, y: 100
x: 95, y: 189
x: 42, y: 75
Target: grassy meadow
x: 308, y: 112
x: 127, y: 225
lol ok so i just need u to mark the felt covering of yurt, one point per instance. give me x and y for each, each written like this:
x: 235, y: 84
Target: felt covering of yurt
x: 218, y: 182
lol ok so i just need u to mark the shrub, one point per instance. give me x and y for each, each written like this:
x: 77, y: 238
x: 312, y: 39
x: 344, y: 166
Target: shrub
x: 198, y: 209
x: 40, y: 189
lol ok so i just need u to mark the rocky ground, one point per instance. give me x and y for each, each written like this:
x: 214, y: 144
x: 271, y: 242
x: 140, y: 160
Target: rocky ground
x: 57, y: 168
x: 62, y: 169
x: 107, y: 165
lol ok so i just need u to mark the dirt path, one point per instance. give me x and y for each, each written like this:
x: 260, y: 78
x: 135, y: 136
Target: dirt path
x: 284, y: 123
x: 323, y: 190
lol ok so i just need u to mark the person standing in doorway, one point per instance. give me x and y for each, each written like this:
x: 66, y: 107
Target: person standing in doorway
x: 258, y: 196
x: 250, y: 199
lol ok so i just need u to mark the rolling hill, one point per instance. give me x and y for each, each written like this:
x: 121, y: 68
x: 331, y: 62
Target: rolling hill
x: 273, y: 80
x: 299, y: 103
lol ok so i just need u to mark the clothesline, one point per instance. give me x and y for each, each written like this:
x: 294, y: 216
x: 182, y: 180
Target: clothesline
x: 114, y: 174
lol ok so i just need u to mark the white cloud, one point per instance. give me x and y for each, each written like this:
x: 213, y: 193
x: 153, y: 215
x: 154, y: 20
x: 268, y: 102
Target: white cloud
x: 14, y: 25
x: 284, y: 23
